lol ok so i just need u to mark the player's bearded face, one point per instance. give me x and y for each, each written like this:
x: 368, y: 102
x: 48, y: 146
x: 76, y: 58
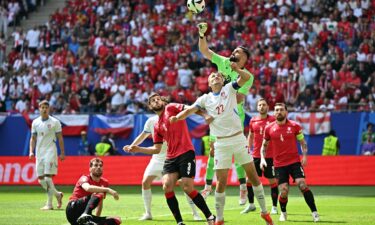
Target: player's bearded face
x: 157, y: 104
x: 280, y: 113
x: 262, y: 107
x: 97, y: 169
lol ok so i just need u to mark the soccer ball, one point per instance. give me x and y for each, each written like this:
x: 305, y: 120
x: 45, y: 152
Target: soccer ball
x: 196, y: 6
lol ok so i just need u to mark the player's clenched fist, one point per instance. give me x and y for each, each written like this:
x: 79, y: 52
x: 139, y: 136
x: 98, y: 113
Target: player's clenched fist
x: 202, y: 27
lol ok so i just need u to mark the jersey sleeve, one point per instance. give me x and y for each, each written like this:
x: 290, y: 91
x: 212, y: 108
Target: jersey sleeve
x: 148, y: 127
x: 298, y: 129
x: 82, y: 180
x: 33, y: 129
x: 175, y: 107
x: 251, y: 123
x: 219, y: 61
x: 158, y: 138
x: 58, y: 128
x: 200, y: 102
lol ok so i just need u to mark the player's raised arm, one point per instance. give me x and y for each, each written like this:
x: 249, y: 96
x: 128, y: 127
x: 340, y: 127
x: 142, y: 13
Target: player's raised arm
x: 243, y: 77
x: 202, y: 43
x: 184, y: 113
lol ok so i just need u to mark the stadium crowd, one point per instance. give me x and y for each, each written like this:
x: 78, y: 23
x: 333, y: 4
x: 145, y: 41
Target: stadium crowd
x: 108, y: 56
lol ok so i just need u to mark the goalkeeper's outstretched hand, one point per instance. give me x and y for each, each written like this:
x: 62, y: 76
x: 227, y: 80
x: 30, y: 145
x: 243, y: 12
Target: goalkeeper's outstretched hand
x: 202, y: 27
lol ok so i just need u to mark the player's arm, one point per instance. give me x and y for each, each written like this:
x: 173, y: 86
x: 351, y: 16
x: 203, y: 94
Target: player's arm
x: 202, y: 43
x: 304, y: 149
x: 140, y: 138
x: 250, y: 139
x: 263, y: 150
x: 96, y: 189
x: 243, y: 76
x: 155, y: 149
x: 32, y: 146
x: 61, y: 144
x: 184, y: 113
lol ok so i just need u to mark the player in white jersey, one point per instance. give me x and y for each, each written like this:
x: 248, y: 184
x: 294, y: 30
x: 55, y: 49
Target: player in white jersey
x: 44, y: 131
x: 154, y: 170
x: 221, y: 104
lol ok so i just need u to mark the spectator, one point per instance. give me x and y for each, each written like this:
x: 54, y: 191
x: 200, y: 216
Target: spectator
x: 84, y: 147
x: 331, y: 144
x: 368, y: 141
x: 103, y: 148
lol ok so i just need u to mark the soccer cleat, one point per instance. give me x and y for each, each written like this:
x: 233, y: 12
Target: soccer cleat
x: 47, y: 207
x: 251, y: 207
x: 181, y: 223
x: 146, y: 216
x: 221, y: 222
x: 206, y: 192
x: 211, y: 220
x: 243, y: 197
x: 283, y: 216
x: 84, y: 219
x: 59, y: 199
x: 315, y: 216
x: 267, y: 218
x: 197, y: 217
x: 274, y: 210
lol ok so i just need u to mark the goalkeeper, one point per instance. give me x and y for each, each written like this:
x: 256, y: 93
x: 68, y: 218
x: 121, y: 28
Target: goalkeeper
x: 240, y: 55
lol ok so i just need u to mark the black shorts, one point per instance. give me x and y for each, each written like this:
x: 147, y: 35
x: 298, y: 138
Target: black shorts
x: 294, y: 170
x: 183, y: 164
x: 75, y: 208
x: 269, y: 171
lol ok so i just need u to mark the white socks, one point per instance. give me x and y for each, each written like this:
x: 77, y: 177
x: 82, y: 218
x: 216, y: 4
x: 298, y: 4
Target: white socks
x: 243, y: 187
x: 192, y: 205
x: 259, y: 194
x: 147, y: 197
x: 43, y: 183
x: 219, y: 205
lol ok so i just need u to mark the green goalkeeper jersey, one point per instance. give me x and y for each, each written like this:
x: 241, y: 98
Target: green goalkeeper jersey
x: 223, y: 65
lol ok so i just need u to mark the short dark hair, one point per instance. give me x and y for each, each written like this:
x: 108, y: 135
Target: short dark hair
x: 245, y: 50
x: 332, y: 132
x: 44, y: 102
x: 261, y: 99
x: 94, y: 160
x: 281, y: 104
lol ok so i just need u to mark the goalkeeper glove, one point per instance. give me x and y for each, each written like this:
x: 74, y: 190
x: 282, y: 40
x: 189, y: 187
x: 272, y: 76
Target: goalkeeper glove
x: 202, y: 27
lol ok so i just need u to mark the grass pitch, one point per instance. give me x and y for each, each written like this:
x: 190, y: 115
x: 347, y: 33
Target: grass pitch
x: 19, y: 205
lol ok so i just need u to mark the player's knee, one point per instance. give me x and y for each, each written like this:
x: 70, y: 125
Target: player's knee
x: 98, y: 195
x: 302, y: 186
x: 146, y: 185
x: 284, y: 191
x: 167, y: 188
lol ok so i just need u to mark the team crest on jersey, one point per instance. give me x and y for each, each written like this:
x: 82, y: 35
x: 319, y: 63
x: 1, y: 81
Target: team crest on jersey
x: 289, y: 130
x: 223, y: 95
x: 49, y: 126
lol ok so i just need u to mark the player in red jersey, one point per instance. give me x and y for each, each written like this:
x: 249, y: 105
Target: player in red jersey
x: 255, y: 138
x: 180, y: 160
x: 88, y: 194
x: 283, y: 134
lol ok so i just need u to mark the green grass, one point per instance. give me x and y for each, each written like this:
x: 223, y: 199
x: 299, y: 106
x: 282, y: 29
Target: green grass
x: 19, y: 205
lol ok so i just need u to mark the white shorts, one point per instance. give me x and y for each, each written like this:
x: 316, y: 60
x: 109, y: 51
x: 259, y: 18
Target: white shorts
x: 226, y: 148
x: 46, y: 167
x: 154, y: 168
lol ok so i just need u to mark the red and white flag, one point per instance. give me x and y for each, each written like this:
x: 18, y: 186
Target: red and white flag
x: 73, y: 125
x: 315, y: 122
